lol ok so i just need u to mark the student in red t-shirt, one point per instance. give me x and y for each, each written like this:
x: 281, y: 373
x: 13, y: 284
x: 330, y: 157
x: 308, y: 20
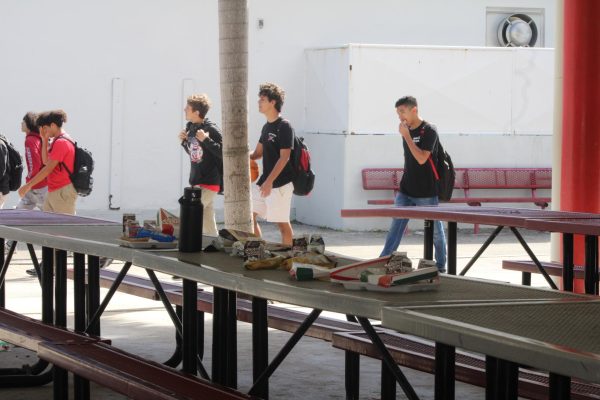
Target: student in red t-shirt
x: 33, y: 158
x: 58, y: 151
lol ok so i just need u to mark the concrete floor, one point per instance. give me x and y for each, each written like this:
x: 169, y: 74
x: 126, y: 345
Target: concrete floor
x: 314, y: 369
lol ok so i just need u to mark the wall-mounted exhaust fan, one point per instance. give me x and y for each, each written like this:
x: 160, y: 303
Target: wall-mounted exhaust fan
x: 517, y: 30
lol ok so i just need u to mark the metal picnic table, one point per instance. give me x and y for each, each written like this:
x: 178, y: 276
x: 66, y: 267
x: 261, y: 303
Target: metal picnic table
x: 562, y: 337
x: 514, y: 218
x: 228, y: 276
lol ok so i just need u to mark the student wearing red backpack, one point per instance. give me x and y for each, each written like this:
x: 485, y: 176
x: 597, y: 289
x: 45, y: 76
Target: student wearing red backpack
x: 58, y: 152
x: 33, y: 158
x: 418, y: 186
x: 275, y: 145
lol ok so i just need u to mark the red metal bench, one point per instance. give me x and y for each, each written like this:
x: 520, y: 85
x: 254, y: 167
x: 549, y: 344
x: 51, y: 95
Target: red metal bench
x: 470, y: 179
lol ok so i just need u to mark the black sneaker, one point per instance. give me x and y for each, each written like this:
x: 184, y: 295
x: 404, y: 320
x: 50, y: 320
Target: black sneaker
x: 31, y: 272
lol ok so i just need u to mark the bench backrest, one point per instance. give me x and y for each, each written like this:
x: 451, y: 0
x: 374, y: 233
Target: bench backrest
x: 467, y: 178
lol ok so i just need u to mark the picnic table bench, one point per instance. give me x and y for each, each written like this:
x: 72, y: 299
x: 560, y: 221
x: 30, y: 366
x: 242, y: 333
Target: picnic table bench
x: 469, y: 180
x: 419, y: 354
x: 94, y: 359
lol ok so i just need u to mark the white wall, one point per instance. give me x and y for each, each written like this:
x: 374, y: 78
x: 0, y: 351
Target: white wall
x: 66, y: 54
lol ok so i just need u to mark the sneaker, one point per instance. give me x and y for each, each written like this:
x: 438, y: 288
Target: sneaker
x: 31, y: 272
x: 176, y: 278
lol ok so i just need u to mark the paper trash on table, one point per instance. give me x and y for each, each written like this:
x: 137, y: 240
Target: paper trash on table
x: 308, y: 272
x: 404, y: 278
x: 164, y: 217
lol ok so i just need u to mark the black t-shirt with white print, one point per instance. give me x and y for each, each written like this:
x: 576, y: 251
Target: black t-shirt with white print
x: 275, y: 136
x: 418, y: 179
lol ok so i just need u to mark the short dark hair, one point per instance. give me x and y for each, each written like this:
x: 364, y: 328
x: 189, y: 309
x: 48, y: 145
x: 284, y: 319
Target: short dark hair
x: 58, y: 117
x: 200, y: 103
x: 273, y: 93
x: 406, y: 101
x: 30, y: 121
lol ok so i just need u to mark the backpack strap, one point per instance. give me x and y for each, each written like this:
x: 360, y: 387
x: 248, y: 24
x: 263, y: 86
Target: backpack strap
x: 430, y: 159
x: 74, y: 149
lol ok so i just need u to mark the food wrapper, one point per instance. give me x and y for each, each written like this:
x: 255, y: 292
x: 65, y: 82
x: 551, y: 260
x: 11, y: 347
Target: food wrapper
x: 237, y: 249
x: 320, y: 260
x: 166, y: 218
x: 425, y: 263
x: 398, y: 263
x: 316, y: 244
x: 267, y: 263
x: 307, y: 272
x: 418, y: 275
x: 364, y: 275
x: 300, y: 244
x: 254, y: 250
x: 231, y: 235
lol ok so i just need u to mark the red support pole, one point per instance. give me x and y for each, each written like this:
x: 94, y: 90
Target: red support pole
x: 580, y: 176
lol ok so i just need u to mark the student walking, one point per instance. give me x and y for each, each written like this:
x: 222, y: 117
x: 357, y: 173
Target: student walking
x: 33, y: 158
x: 273, y: 199
x: 58, y: 154
x: 418, y: 186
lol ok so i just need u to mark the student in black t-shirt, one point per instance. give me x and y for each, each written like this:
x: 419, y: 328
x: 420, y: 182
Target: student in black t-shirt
x: 273, y: 197
x: 418, y: 186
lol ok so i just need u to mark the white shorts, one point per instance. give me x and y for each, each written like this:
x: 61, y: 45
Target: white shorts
x: 276, y: 207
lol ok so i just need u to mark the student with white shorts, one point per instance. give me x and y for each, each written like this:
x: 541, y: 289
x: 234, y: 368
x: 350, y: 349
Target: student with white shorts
x: 272, y: 196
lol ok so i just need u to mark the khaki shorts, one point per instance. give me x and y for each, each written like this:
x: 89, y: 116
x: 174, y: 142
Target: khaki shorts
x: 61, y: 201
x: 276, y: 207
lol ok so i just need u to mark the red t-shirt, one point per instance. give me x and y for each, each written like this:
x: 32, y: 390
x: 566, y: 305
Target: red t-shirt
x: 63, y: 151
x: 33, y: 158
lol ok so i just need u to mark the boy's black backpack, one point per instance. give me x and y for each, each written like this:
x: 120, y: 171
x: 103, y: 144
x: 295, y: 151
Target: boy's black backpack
x: 81, y: 177
x: 304, y: 177
x: 14, y: 169
x: 444, y: 172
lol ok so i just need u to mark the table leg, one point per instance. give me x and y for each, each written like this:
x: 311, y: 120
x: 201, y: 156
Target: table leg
x: 61, y: 377
x: 428, y: 248
x: 485, y: 245
x: 452, y: 239
x: 491, y: 378
x: 559, y: 387
x: 47, y: 287
x: 34, y: 260
x: 285, y: 350
x: 189, y: 342
x: 95, y: 319
x: 388, y: 359
x: 5, y: 262
x: 2, y: 291
x: 81, y: 387
x: 260, y: 344
x: 444, y: 371
x: 510, y: 378
x: 231, y: 337
x: 352, y: 369
x: 591, y: 265
x: 567, y: 273
x: 388, y: 383
x: 93, y: 294
x: 533, y: 258
x: 219, y: 351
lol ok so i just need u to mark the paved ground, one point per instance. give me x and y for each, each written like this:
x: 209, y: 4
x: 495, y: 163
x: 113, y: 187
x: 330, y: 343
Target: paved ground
x: 314, y: 369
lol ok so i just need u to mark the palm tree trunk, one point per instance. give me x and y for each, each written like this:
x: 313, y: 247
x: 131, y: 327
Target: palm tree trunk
x: 233, y: 57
